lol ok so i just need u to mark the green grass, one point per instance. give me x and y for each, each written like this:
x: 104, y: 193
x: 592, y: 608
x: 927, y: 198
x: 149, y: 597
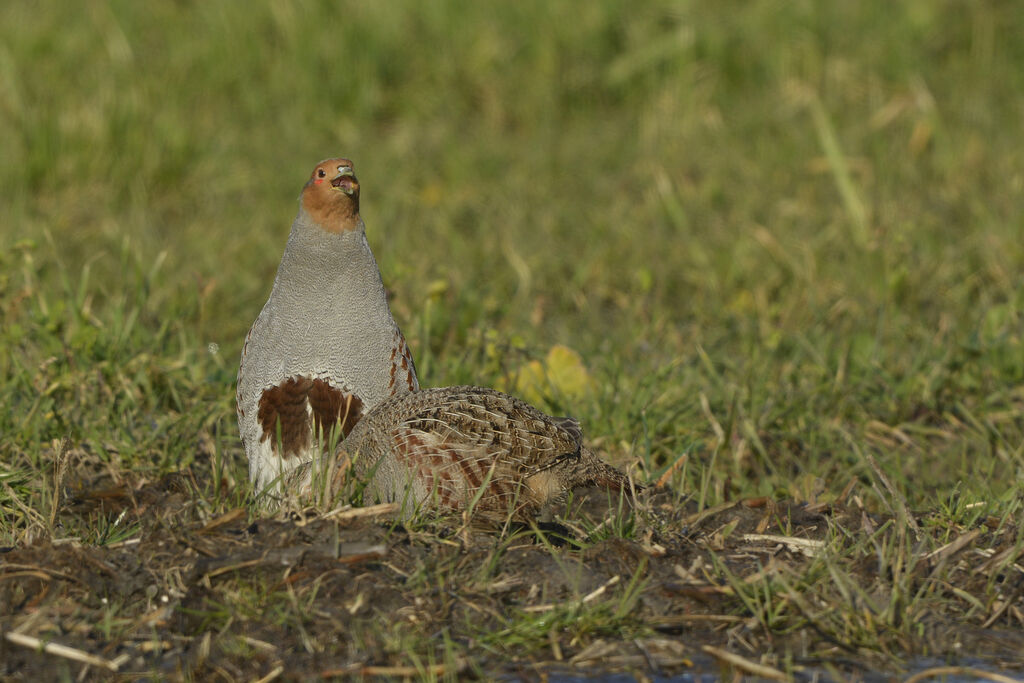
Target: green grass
x: 784, y: 238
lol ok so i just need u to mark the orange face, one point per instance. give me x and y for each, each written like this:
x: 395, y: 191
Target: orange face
x: 335, y: 173
x: 331, y: 196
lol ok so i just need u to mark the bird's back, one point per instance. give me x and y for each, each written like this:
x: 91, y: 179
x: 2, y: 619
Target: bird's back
x: 440, y: 447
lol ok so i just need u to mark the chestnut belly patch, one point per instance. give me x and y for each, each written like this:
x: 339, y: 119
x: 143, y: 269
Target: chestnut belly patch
x: 300, y: 410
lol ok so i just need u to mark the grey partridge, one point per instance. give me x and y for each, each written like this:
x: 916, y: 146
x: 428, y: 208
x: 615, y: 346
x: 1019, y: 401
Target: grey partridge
x: 325, y: 348
x: 454, y: 448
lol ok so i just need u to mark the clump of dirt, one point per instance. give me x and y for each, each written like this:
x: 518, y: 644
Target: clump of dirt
x: 195, y: 592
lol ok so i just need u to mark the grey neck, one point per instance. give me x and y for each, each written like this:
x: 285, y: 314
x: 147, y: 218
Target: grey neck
x: 328, y: 268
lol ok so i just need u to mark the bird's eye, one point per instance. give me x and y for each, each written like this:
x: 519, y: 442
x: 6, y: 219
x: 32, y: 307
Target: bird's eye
x: 320, y: 172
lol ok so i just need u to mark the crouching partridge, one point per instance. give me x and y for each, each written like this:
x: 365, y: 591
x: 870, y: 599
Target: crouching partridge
x: 455, y: 448
x: 324, y: 349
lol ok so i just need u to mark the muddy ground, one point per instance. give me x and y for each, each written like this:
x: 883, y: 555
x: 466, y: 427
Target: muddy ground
x: 192, y: 593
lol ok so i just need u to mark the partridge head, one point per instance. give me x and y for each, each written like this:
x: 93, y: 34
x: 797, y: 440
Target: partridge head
x: 325, y: 349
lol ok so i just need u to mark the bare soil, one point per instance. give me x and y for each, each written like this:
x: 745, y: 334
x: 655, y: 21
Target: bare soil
x: 301, y: 596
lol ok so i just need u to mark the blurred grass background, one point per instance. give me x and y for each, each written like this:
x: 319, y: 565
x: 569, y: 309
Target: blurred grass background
x: 779, y: 235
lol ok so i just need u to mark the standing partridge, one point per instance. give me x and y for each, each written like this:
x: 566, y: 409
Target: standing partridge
x: 437, y: 448
x: 324, y: 349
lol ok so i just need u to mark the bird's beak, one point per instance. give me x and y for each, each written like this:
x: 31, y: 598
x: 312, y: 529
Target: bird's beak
x: 345, y: 180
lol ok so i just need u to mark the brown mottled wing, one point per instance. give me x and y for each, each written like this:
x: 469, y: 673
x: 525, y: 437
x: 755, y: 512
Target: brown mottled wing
x: 460, y: 438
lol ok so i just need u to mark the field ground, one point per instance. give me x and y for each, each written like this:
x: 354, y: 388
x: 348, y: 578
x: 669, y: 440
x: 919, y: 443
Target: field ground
x: 769, y: 254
